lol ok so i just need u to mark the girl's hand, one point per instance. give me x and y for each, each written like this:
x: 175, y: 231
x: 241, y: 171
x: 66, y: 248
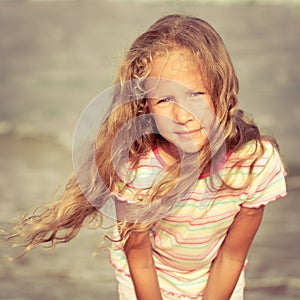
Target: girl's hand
x: 231, y: 257
x: 139, y: 256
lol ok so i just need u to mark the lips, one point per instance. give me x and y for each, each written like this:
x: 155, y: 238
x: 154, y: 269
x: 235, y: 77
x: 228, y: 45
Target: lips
x: 189, y: 133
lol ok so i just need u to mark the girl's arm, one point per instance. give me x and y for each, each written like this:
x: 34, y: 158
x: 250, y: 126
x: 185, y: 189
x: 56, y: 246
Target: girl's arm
x: 139, y: 256
x: 231, y: 257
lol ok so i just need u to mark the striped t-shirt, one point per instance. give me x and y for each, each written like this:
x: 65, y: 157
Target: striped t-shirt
x: 186, y: 242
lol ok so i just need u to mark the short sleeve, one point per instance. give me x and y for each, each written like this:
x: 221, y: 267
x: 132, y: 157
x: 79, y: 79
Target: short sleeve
x: 269, y: 179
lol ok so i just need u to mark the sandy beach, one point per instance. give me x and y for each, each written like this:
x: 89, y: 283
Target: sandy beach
x: 57, y: 56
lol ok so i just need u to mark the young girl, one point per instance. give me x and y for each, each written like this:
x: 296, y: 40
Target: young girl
x: 185, y: 173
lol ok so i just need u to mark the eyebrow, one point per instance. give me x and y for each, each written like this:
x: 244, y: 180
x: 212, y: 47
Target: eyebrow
x: 190, y: 91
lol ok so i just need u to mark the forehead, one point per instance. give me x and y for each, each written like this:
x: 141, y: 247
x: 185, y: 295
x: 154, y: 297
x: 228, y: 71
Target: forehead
x: 179, y: 66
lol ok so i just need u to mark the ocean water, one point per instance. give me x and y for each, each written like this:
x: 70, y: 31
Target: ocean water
x: 57, y: 56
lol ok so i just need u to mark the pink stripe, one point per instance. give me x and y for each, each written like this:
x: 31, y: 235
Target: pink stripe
x: 224, y: 217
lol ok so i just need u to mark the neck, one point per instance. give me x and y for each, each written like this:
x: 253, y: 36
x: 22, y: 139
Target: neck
x: 168, y: 152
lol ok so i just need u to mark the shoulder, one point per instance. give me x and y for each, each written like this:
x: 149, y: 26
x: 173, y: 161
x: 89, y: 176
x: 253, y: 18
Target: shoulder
x: 265, y: 172
x: 254, y: 162
x: 139, y: 177
x: 256, y: 155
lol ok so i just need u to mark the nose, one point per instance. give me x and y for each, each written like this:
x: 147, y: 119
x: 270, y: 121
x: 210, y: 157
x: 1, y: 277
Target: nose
x: 181, y: 115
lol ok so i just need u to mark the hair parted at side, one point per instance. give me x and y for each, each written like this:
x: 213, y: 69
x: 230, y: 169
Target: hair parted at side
x: 62, y: 219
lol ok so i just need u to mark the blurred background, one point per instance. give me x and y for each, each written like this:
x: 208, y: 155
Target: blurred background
x: 56, y: 56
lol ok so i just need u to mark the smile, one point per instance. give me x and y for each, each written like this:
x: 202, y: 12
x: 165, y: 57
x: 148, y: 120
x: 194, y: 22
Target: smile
x: 190, y: 133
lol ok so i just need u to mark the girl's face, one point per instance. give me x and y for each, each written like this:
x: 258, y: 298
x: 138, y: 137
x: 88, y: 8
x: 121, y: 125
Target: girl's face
x: 178, y: 100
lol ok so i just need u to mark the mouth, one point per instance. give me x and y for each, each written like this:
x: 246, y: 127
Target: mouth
x: 190, y: 133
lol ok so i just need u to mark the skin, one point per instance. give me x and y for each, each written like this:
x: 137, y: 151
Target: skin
x: 180, y: 104
x: 174, y: 119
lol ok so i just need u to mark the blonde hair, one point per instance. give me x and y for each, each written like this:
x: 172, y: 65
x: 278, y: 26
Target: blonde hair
x: 61, y: 220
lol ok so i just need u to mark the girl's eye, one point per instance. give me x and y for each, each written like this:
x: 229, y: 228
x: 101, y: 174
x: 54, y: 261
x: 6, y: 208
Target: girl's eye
x: 195, y: 94
x: 164, y: 100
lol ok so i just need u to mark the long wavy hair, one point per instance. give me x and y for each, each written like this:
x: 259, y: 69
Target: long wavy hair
x: 81, y: 201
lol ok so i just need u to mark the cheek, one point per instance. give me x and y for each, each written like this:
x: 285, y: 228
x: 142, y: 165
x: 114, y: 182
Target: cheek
x: 206, y: 118
x: 203, y: 111
x: 163, y: 123
x: 161, y: 118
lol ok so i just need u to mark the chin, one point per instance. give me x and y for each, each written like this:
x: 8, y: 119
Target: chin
x: 190, y: 148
